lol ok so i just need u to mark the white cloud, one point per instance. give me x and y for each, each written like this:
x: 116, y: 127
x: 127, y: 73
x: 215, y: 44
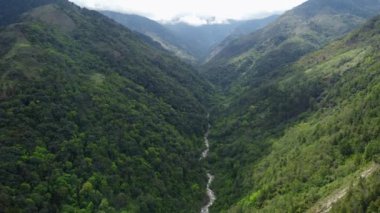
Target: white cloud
x: 165, y: 10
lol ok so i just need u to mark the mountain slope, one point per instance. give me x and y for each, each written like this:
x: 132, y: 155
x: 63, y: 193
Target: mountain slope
x: 154, y: 30
x: 306, y: 134
x: 93, y: 119
x: 297, y: 32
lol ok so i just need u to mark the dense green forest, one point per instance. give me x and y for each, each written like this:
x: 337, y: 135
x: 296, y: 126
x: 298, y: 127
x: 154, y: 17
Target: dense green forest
x: 94, y: 119
x: 97, y: 118
x: 304, y: 132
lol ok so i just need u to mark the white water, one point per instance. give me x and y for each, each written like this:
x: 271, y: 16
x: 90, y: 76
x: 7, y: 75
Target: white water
x: 210, y: 194
x: 205, y: 152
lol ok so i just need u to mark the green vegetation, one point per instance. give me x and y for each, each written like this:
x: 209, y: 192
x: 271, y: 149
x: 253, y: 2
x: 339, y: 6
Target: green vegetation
x: 299, y: 134
x: 95, y: 120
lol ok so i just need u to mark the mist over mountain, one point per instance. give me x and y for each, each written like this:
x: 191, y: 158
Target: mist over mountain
x: 203, y: 38
x: 192, y: 43
x: 111, y: 112
x: 197, y: 20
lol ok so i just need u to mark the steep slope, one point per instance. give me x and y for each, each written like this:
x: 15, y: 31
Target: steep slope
x: 92, y: 118
x: 306, y: 134
x: 297, y: 32
x: 154, y: 30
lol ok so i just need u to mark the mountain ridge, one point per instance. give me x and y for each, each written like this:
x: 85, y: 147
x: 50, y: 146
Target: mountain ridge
x: 96, y: 117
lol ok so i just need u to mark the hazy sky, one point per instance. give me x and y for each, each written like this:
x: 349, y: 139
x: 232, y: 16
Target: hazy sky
x: 191, y: 10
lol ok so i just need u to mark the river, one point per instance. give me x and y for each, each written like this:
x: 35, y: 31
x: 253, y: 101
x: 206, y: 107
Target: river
x: 210, y: 194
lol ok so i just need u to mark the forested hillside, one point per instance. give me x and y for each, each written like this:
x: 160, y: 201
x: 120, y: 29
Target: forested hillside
x: 306, y: 133
x: 92, y: 118
x: 95, y: 117
x: 244, y: 61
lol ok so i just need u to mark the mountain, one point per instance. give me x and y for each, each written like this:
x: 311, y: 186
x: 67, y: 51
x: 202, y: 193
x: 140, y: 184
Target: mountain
x: 202, y: 39
x: 154, y: 30
x: 189, y: 42
x: 297, y: 32
x: 275, y: 116
x: 310, y: 138
x: 93, y: 119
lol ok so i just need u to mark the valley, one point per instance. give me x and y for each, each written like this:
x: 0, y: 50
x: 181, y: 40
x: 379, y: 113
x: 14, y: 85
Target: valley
x: 105, y: 111
x: 194, y: 44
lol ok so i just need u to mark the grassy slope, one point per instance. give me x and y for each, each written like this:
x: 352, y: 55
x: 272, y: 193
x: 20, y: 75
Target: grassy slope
x: 93, y: 119
x: 305, y: 132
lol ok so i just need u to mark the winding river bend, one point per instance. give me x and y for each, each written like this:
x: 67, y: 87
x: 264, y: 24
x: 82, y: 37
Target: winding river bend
x: 210, y: 194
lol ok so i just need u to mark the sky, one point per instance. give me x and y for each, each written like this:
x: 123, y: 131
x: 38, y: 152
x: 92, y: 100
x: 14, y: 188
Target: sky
x: 193, y: 11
